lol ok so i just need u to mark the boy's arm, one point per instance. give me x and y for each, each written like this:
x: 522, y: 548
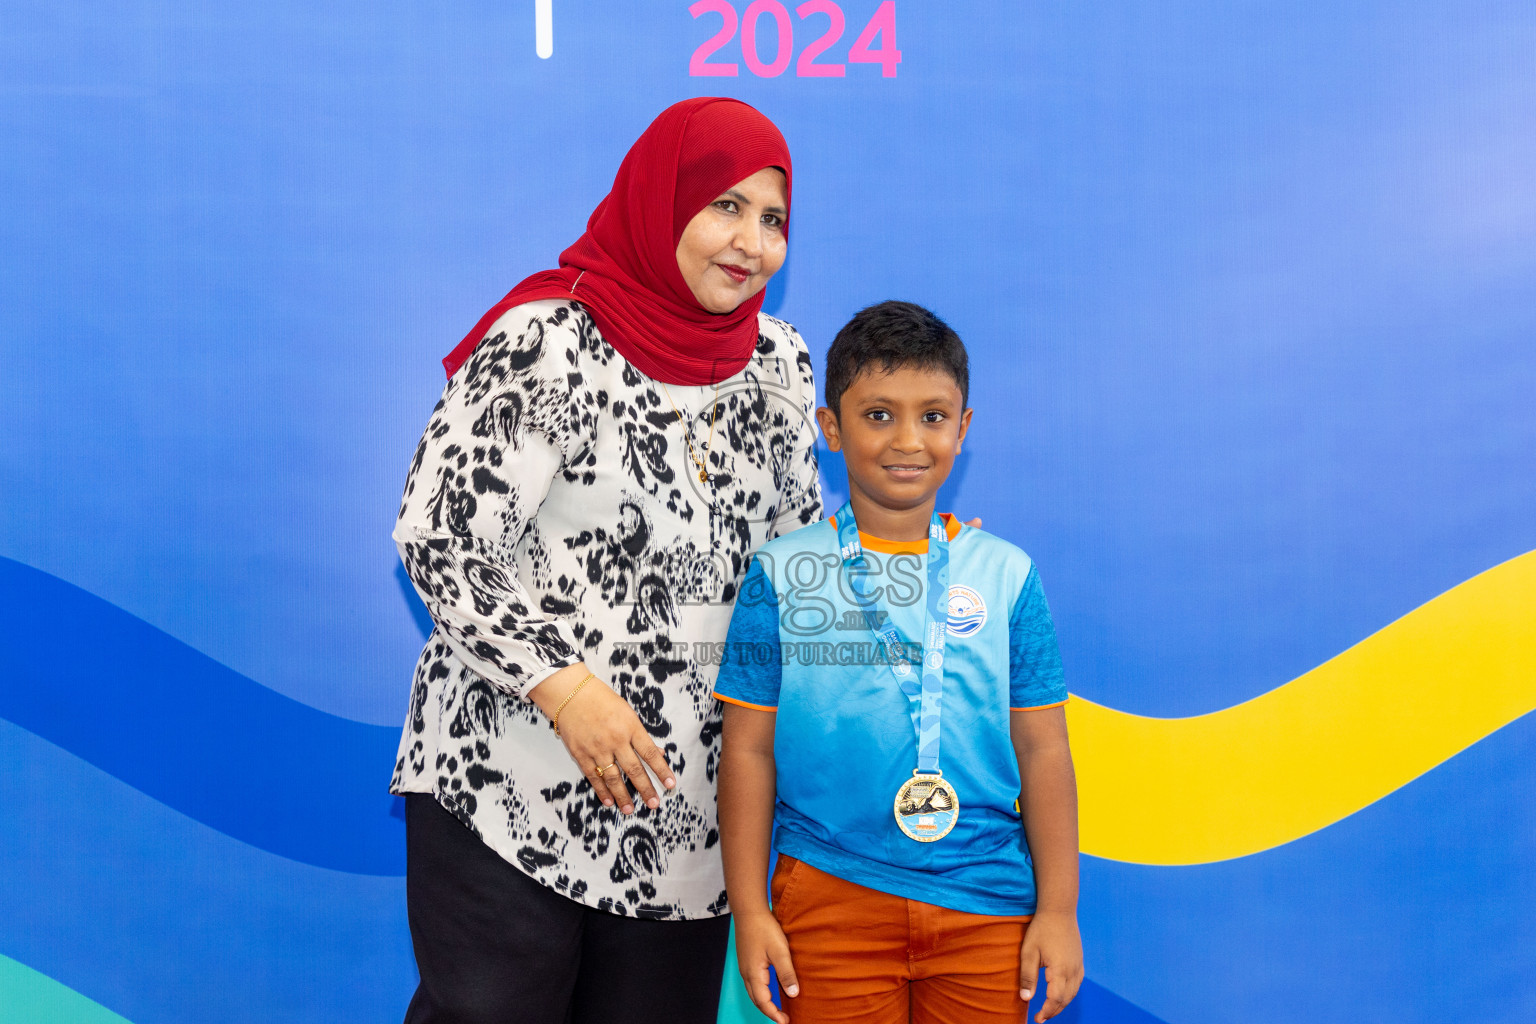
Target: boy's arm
x: 747, y: 789
x: 749, y: 688
x: 1048, y: 802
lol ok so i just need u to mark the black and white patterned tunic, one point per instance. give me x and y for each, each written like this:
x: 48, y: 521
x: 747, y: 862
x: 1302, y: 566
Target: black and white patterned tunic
x: 553, y: 515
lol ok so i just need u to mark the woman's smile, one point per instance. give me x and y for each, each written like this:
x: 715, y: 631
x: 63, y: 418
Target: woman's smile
x: 734, y: 272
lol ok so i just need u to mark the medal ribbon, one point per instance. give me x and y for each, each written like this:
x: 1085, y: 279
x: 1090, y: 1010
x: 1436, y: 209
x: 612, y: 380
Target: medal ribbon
x: 924, y: 698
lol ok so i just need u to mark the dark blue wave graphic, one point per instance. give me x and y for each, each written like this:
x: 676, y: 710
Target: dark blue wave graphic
x: 166, y: 921
x: 161, y: 920
x: 1094, y: 1004
x: 195, y: 735
x: 260, y: 768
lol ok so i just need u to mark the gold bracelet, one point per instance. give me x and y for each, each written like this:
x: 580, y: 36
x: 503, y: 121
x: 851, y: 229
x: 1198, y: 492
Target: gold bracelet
x: 556, y: 717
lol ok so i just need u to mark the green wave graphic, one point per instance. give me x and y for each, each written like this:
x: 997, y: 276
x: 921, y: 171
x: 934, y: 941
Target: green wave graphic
x: 30, y: 997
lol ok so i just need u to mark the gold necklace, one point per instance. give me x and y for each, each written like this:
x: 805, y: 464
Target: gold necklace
x: 714, y: 413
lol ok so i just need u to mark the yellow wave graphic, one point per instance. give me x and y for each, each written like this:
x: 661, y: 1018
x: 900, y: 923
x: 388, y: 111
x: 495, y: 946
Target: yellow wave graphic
x: 1319, y: 748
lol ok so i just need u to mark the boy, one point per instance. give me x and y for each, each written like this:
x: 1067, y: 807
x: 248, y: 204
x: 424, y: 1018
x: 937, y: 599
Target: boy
x: 890, y: 677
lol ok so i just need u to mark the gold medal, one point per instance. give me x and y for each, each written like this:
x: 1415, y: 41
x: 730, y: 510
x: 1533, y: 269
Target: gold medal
x: 926, y: 807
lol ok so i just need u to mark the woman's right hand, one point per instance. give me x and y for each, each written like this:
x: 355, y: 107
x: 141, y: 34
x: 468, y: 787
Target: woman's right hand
x: 601, y: 731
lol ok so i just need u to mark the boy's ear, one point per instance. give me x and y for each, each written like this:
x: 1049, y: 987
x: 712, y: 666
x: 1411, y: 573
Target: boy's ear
x: 826, y: 419
x: 965, y: 424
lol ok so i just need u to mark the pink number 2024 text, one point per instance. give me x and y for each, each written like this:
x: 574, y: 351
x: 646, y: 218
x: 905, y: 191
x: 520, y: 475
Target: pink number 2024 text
x: 768, y: 22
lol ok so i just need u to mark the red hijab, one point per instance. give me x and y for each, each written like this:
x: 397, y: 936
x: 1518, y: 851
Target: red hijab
x: 624, y: 269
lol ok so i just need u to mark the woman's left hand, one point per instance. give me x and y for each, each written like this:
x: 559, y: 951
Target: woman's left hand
x: 604, y: 737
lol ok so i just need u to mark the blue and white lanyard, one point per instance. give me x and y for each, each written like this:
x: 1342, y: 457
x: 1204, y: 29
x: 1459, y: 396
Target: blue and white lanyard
x: 924, y: 699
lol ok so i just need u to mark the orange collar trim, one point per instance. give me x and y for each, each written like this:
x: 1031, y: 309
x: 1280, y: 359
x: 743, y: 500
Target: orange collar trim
x: 952, y: 527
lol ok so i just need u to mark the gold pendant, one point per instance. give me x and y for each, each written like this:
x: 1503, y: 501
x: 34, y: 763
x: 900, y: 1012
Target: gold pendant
x: 926, y: 807
x: 703, y: 477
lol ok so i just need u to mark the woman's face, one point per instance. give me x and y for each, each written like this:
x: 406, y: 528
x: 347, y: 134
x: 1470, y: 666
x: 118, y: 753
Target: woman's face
x: 735, y: 244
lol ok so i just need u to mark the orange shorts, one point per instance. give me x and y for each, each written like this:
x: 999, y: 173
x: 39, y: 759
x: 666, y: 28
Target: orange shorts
x: 868, y: 956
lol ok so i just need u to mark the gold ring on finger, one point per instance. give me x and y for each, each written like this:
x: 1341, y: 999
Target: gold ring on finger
x: 605, y: 767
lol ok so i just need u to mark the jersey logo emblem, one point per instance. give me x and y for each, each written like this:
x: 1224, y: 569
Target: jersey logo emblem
x: 967, y: 611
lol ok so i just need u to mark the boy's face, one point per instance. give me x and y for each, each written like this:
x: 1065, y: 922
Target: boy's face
x: 899, y: 433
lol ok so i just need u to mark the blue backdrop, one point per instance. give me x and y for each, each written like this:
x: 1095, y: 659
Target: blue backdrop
x: 1250, y: 290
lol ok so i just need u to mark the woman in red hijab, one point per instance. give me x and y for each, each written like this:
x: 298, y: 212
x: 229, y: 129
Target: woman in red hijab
x: 617, y: 436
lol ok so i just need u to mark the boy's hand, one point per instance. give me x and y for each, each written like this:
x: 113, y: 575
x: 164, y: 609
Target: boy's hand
x: 761, y: 942
x: 1052, y: 941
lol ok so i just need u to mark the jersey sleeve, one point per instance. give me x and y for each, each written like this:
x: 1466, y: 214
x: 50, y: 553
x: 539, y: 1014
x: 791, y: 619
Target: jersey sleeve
x: 750, y: 672
x: 1035, y: 678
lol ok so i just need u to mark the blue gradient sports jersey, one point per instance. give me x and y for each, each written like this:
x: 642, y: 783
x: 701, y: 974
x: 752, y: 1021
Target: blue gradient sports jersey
x: 844, y: 741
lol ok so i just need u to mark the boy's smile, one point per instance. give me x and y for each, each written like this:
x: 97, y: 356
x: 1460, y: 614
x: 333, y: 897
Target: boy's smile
x: 899, y: 432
